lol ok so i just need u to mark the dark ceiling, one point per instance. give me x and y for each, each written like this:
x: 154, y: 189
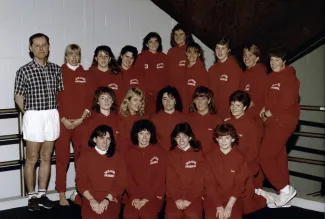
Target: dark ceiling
x: 298, y: 25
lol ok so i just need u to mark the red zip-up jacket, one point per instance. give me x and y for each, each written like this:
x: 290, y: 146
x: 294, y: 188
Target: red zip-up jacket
x: 186, y: 172
x: 74, y: 93
x: 224, y: 79
x: 228, y: 176
x: 282, y: 95
x: 253, y: 81
x: 176, y: 64
x: 165, y: 124
x: 146, y: 172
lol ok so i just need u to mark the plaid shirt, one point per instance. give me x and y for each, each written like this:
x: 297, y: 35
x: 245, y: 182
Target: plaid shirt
x: 39, y: 85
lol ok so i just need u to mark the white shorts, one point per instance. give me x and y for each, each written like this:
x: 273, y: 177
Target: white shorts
x: 40, y: 126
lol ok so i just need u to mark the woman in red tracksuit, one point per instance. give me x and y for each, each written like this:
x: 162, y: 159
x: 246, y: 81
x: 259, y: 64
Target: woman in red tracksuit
x: 280, y: 114
x: 186, y: 172
x: 224, y: 76
x: 74, y: 94
x: 104, y: 111
x: 253, y: 81
x: 101, y: 176
x: 228, y: 174
x: 195, y: 74
x: 132, y: 109
x: 151, y: 63
x: 203, y: 117
x: 176, y: 56
x: 169, y: 113
x: 105, y: 71
x: 249, y: 144
x: 146, y: 173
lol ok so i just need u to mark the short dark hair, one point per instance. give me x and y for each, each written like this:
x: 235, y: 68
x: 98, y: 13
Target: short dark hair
x: 203, y: 91
x: 186, y: 129
x: 278, y: 52
x: 223, y: 41
x: 223, y: 130
x: 100, y: 131
x: 188, y: 36
x: 240, y: 96
x: 34, y: 36
x: 104, y: 90
x: 172, y: 92
x: 126, y: 49
x: 197, y: 48
x: 141, y: 125
x: 150, y: 36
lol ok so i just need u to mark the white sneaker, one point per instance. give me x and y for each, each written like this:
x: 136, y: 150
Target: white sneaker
x: 73, y: 195
x: 270, y: 198
x: 285, y: 196
x: 273, y: 205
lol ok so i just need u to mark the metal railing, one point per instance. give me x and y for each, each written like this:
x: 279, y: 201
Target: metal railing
x: 19, y: 164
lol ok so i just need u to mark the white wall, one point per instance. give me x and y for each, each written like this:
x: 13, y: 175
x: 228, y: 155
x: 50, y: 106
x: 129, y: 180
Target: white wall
x: 115, y: 23
x: 89, y: 23
x: 311, y: 72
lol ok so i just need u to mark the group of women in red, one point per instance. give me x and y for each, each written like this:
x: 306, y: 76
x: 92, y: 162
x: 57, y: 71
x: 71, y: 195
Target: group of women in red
x: 151, y: 129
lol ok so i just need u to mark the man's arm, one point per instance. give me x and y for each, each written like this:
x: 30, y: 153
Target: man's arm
x: 19, y: 100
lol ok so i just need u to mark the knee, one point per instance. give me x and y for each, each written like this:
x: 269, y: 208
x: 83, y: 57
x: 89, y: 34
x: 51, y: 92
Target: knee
x: 46, y: 158
x: 32, y: 160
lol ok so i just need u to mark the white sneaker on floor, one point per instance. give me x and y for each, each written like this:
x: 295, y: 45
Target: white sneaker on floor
x: 270, y: 198
x: 73, y: 195
x: 285, y: 196
x: 273, y: 205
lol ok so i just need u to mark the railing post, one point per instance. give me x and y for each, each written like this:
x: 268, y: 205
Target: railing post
x: 21, y: 156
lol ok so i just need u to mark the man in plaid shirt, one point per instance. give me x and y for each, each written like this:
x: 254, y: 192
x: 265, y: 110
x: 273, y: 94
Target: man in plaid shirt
x: 36, y: 86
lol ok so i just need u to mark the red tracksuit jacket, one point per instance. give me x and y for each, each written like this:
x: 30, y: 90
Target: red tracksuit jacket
x: 186, y: 172
x: 146, y: 172
x: 74, y: 93
x: 176, y: 64
x: 228, y: 176
x: 253, y: 81
x: 224, y: 79
x: 165, y: 124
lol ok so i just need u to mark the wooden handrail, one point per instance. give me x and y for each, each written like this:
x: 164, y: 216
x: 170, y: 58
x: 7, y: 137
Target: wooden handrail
x: 314, y: 108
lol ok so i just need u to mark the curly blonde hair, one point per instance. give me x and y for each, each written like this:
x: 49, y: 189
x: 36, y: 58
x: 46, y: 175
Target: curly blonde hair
x: 124, y: 108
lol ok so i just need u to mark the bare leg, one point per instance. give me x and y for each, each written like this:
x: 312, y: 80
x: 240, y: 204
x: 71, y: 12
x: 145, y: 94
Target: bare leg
x: 45, y: 165
x: 32, y: 156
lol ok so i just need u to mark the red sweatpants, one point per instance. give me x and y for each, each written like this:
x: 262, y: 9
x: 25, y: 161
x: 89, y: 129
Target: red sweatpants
x: 62, y: 153
x: 252, y: 201
x: 273, y: 154
x: 193, y: 211
x: 210, y: 209
x: 112, y: 211
x: 149, y: 211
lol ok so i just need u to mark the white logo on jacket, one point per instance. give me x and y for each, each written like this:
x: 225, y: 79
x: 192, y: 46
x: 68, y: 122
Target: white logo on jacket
x: 134, y: 81
x: 190, y: 164
x: 182, y: 63
x: 224, y: 77
x: 240, y: 135
x: 109, y: 173
x: 160, y: 65
x: 210, y: 129
x: 146, y: 66
x: 113, y: 86
x: 154, y: 160
x: 247, y: 87
x: 191, y: 82
x: 226, y: 119
x: 276, y: 86
x: 80, y: 80
x: 232, y: 171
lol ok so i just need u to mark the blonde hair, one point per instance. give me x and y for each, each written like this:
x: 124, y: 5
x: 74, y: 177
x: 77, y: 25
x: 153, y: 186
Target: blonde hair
x: 252, y: 48
x: 72, y: 47
x: 124, y: 108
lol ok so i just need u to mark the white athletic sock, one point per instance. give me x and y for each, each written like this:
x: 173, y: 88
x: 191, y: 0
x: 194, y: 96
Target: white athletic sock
x: 286, y: 189
x: 31, y: 194
x: 41, y: 192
